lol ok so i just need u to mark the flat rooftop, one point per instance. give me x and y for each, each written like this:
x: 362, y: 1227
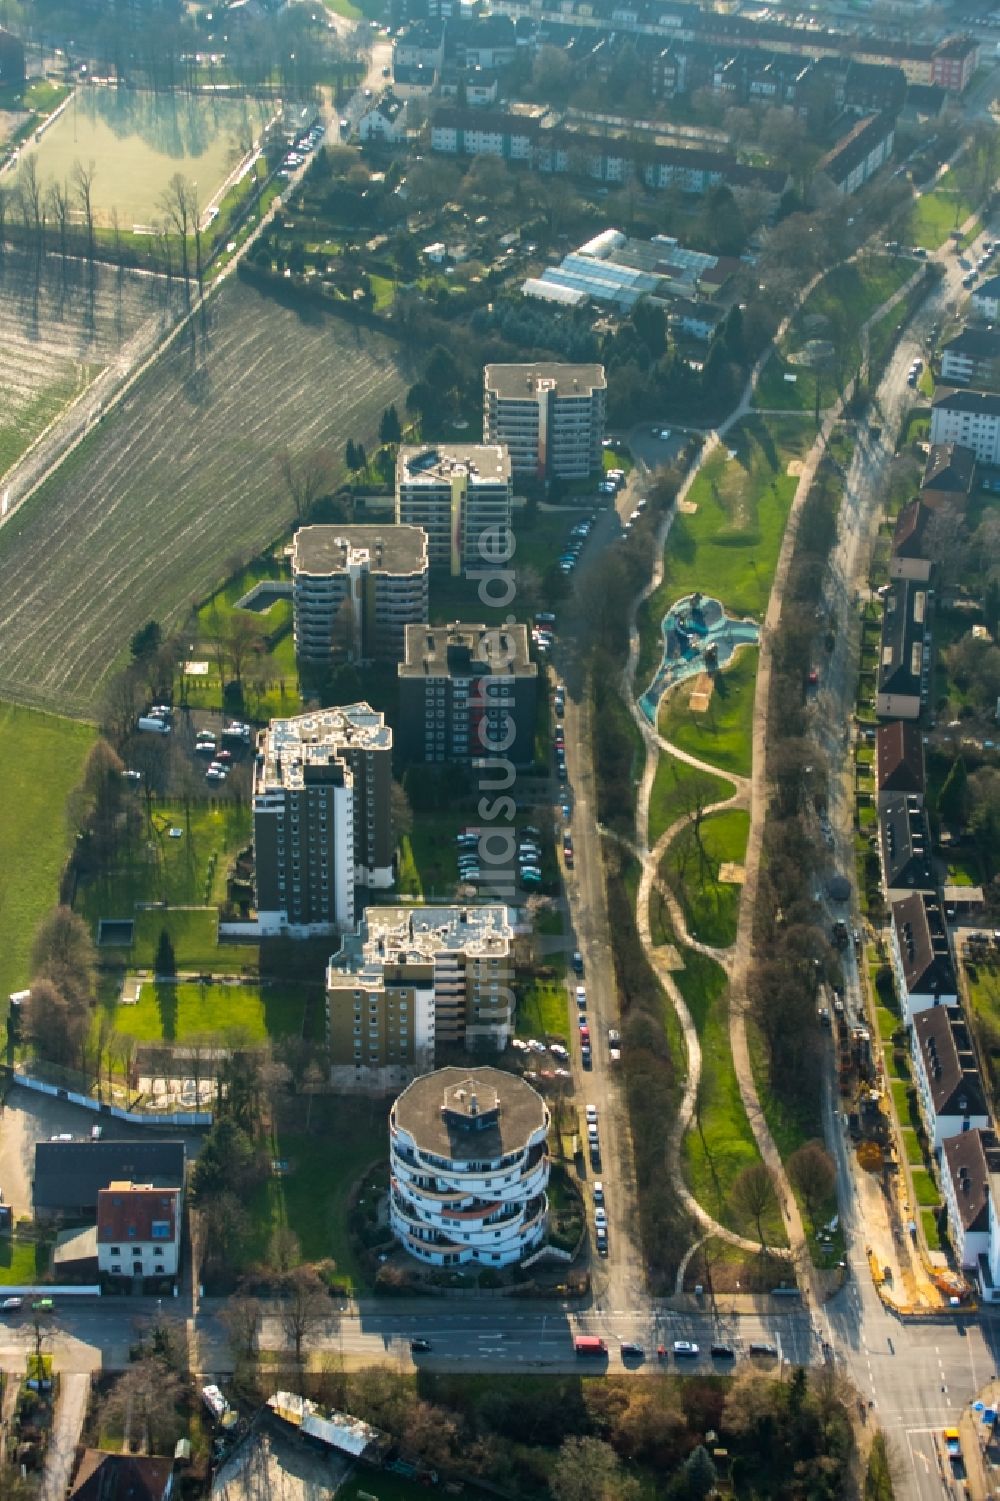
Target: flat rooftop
x: 438, y: 464
x: 515, y: 382
x: 288, y: 746
x: 466, y: 650
x: 470, y: 1114
x: 417, y: 935
x: 324, y: 550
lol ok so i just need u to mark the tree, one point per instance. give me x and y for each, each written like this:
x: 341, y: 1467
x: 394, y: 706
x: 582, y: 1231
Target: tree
x: 144, y: 1405
x: 400, y: 811
x: 223, y: 1225
x: 179, y: 203
x: 284, y: 1251
x: 146, y: 641
x: 389, y: 430
x: 588, y: 1469
x: 953, y: 799
x: 227, y: 1160
x: 813, y: 1173
x: 83, y: 186
x: 699, y: 1474
x: 64, y: 953
x: 165, y: 962
x: 753, y: 1196
x: 55, y: 1025
x: 304, y: 1306
x: 242, y: 1318
x: 57, y: 199
x: 305, y: 479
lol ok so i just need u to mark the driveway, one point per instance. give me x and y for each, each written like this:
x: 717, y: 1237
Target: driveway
x: 71, y: 1409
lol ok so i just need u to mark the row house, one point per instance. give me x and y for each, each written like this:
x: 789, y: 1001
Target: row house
x: 946, y: 1075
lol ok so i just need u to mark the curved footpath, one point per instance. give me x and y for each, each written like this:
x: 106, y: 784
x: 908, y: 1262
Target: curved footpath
x: 749, y: 793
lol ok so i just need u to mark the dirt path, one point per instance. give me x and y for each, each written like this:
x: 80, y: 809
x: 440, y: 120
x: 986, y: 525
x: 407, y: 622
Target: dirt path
x: 67, y: 1425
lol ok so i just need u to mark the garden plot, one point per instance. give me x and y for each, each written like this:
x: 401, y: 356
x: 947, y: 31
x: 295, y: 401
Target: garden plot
x: 151, y: 510
x: 58, y: 332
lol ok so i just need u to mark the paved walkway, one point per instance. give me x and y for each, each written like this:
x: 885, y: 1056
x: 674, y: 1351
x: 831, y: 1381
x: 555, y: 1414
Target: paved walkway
x: 67, y: 1425
x: 749, y: 793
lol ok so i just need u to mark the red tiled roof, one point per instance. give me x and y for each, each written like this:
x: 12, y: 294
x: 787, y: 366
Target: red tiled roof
x: 128, y: 1213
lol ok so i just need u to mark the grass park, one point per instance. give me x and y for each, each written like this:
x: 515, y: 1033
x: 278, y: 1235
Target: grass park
x: 138, y: 140
x: 691, y: 865
x: 720, y: 1143
x: 937, y: 213
x: 43, y: 759
x: 677, y: 790
x: 730, y: 543
x: 834, y: 311
x: 722, y: 732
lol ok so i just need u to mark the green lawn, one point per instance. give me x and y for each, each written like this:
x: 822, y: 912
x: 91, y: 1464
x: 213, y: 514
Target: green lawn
x: 925, y: 1188
x: 182, y: 1012
x: 194, y: 933
x: 428, y: 863
x: 900, y: 1098
x: 691, y: 864
x: 911, y: 1146
x: 42, y: 757
x: 984, y: 991
x: 347, y: 1137
x: 888, y: 1023
x: 186, y: 871
x: 720, y: 1143
x: 931, y: 1233
x: 845, y: 299
x: 678, y: 789
x: 722, y: 734
x: 936, y: 214
x: 543, y: 1008
x: 22, y: 1261
x: 729, y: 546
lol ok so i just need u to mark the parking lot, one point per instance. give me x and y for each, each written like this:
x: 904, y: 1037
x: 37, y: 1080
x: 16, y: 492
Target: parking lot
x: 27, y: 1117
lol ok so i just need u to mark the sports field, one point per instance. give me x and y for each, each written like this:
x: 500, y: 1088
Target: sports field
x: 137, y: 141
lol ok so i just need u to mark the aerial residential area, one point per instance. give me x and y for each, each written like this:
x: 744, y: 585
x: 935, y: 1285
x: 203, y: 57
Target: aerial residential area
x: 500, y: 711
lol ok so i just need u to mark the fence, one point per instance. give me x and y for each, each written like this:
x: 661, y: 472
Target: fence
x: 185, y: 1118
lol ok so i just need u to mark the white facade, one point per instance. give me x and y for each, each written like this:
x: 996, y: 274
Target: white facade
x: 550, y: 417
x: 467, y: 1184
x: 971, y: 418
x: 138, y: 1230
x: 964, y: 1109
x: 384, y: 121
x: 985, y: 300
x: 461, y: 495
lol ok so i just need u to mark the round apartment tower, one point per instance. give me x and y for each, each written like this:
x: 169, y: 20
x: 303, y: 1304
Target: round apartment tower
x: 469, y: 1167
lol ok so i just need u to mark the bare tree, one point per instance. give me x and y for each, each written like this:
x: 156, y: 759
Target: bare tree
x: 753, y: 1196
x: 145, y: 1400
x: 58, y: 201
x: 83, y: 184
x: 242, y: 1318
x: 63, y: 952
x: 55, y: 1026
x: 180, y: 204
x: 814, y: 1173
x: 304, y: 1306
x: 31, y: 199
x: 305, y: 479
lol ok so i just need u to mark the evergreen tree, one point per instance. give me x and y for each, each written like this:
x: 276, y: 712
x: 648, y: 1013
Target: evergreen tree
x: 699, y: 1474
x: 389, y: 430
x: 165, y: 962
x: 953, y: 799
x: 351, y: 455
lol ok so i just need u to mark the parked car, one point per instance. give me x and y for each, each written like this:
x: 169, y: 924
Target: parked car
x: 685, y: 1349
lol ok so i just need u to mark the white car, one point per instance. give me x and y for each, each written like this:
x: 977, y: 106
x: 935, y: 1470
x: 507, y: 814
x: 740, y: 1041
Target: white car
x: 592, y: 1134
x: 598, y: 1191
x: 536, y: 1046
x: 581, y: 995
x: 601, y: 1219
x: 592, y: 1114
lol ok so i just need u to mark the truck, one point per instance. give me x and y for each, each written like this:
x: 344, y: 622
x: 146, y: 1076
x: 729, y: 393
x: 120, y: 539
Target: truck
x: 153, y: 726
x: 953, y: 1448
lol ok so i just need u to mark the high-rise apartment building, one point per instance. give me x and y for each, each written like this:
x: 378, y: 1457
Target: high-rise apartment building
x: 355, y: 589
x: 410, y: 978
x: 549, y: 416
x: 461, y: 495
x: 322, y: 822
x: 467, y: 691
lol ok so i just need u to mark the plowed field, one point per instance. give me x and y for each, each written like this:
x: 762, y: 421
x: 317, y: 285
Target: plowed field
x: 144, y: 516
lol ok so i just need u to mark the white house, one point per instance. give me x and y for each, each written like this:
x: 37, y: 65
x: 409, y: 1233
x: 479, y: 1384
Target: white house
x: 921, y: 954
x: 949, y: 1086
x: 971, y: 418
x: 138, y: 1230
x: 970, y: 1174
x: 385, y: 120
x: 469, y: 1168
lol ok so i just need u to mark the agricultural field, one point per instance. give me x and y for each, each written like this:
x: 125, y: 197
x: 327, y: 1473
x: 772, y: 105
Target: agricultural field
x: 146, y: 516
x: 42, y: 758
x: 137, y: 141
x: 59, y: 331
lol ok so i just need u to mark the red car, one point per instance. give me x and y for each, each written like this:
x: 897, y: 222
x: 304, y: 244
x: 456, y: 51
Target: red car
x: 584, y: 1032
